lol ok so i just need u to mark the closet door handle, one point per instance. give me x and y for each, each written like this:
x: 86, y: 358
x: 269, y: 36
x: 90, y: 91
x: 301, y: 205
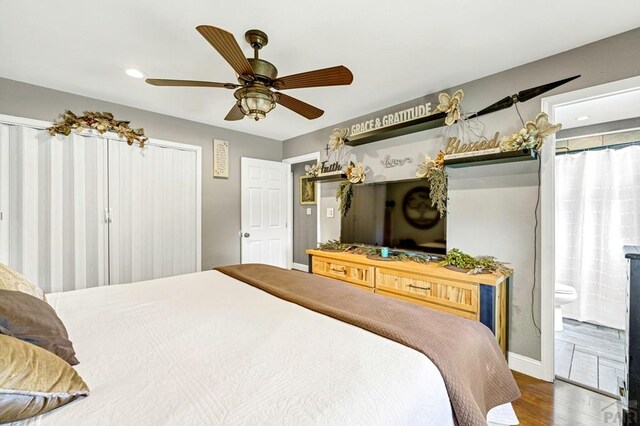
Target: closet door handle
x: 107, y: 215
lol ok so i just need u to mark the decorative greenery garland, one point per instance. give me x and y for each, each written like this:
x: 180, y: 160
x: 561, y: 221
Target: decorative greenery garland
x: 433, y: 171
x: 99, y: 121
x: 336, y: 245
x: 475, y: 265
x: 356, y: 173
x: 344, y: 194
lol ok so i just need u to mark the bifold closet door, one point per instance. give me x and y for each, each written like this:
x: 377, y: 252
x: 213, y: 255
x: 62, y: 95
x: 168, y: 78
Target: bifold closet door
x: 52, y: 198
x: 4, y: 193
x: 152, y: 203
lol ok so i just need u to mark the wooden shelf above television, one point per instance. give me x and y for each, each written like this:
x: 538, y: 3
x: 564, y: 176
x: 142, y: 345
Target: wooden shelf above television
x: 329, y: 178
x: 419, y: 124
x: 497, y: 158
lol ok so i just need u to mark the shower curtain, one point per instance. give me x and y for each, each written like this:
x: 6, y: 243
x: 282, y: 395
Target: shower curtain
x: 597, y: 212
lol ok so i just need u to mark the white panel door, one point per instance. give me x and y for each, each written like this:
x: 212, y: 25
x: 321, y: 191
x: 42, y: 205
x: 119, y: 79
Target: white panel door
x: 152, y: 211
x: 264, y: 211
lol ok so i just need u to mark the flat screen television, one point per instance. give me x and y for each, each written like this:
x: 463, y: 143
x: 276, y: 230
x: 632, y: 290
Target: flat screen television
x: 396, y: 215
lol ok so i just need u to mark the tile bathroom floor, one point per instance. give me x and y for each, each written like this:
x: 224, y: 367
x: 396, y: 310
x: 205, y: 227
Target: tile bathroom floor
x: 590, y: 355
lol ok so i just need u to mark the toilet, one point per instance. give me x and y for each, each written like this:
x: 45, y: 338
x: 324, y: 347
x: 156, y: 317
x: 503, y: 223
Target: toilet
x: 564, y: 294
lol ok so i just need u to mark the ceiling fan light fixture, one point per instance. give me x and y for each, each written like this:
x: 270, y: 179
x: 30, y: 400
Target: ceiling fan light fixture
x: 256, y: 102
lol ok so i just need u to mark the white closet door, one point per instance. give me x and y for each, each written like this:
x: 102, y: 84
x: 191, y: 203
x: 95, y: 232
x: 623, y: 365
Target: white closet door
x: 153, y: 211
x: 53, y: 206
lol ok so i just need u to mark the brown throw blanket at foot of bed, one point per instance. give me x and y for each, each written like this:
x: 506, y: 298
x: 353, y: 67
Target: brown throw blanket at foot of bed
x: 475, y: 372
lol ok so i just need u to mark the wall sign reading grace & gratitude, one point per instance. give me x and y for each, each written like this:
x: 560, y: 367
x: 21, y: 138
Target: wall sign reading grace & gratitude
x: 387, y: 120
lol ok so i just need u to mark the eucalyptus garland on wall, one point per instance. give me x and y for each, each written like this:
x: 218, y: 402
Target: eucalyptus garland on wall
x: 101, y: 122
x: 356, y: 173
x: 433, y: 171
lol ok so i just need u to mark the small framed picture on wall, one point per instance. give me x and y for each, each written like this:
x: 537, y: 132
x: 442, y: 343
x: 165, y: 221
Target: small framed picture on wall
x: 307, y: 191
x: 220, y: 159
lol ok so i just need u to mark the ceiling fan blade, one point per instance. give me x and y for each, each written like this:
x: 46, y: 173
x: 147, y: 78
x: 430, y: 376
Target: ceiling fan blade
x: 503, y: 103
x: 235, y: 114
x: 302, y: 108
x: 527, y: 94
x: 334, y: 76
x: 227, y: 46
x: 189, y: 83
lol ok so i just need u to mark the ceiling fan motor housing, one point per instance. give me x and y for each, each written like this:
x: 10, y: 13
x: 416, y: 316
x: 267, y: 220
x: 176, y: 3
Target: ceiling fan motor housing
x: 264, y: 71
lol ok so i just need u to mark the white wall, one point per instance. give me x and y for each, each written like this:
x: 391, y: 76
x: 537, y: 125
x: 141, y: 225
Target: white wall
x: 329, y: 226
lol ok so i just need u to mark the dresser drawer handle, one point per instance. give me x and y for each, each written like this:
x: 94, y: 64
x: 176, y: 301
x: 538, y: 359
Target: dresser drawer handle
x: 338, y: 269
x: 418, y: 287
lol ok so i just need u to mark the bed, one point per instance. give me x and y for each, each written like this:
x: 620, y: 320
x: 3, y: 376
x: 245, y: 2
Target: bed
x: 205, y: 348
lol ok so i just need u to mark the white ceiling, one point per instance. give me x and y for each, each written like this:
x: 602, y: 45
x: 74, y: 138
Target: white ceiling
x: 397, y: 51
x: 602, y: 109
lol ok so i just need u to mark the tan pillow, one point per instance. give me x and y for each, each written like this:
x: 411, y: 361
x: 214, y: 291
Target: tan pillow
x: 33, y: 320
x: 12, y: 280
x: 34, y: 381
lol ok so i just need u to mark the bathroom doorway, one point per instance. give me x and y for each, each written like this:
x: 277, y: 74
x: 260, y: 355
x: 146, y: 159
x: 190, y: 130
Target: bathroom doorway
x: 597, y: 212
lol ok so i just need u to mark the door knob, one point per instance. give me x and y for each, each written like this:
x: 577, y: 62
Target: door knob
x: 246, y: 235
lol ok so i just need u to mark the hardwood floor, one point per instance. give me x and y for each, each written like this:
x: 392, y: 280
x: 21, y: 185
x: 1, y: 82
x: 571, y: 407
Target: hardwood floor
x: 563, y: 404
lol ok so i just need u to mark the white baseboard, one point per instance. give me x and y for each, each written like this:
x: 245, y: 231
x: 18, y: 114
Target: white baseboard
x: 300, y: 267
x: 525, y: 365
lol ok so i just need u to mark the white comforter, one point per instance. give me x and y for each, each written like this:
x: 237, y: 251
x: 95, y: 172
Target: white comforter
x: 206, y: 349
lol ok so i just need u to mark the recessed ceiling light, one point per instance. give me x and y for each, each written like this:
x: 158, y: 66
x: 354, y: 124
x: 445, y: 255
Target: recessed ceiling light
x: 132, y: 72
x: 583, y: 117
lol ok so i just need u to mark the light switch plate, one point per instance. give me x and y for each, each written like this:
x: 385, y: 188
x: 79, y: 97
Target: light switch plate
x: 329, y: 211
x: 309, y: 210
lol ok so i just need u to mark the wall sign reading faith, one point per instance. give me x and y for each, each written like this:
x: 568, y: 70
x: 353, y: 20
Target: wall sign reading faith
x: 220, y: 158
x: 389, y: 162
x: 387, y: 120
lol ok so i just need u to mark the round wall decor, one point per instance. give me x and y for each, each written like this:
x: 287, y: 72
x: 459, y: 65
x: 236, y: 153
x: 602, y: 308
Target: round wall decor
x: 417, y: 209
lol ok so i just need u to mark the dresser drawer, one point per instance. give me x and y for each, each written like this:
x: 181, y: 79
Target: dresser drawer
x: 346, y: 271
x: 448, y: 293
x: 442, y: 308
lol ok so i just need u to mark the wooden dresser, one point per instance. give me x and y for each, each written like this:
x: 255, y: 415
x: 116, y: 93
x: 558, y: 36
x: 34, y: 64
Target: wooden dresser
x: 482, y: 297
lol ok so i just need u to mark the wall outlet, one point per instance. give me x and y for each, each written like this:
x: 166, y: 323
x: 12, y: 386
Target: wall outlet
x: 308, y: 210
x: 329, y: 211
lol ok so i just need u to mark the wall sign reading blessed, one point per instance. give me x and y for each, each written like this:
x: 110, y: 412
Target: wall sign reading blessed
x: 455, y: 148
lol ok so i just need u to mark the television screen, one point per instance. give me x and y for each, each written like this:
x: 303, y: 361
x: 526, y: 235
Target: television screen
x: 396, y: 215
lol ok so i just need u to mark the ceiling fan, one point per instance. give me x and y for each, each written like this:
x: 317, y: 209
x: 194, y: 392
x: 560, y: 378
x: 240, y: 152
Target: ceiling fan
x: 257, y: 77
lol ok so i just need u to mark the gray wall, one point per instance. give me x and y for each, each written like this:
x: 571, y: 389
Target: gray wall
x: 491, y: 208
x: 305, y: 226
x: 220, y: 197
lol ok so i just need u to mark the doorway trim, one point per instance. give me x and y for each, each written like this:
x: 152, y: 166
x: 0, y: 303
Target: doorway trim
x: 304, y: 158
x: 547, y: 211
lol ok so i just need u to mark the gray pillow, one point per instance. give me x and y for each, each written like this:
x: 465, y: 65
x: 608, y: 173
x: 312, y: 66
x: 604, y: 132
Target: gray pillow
x: 34, y: 381
x: 33, y: 320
